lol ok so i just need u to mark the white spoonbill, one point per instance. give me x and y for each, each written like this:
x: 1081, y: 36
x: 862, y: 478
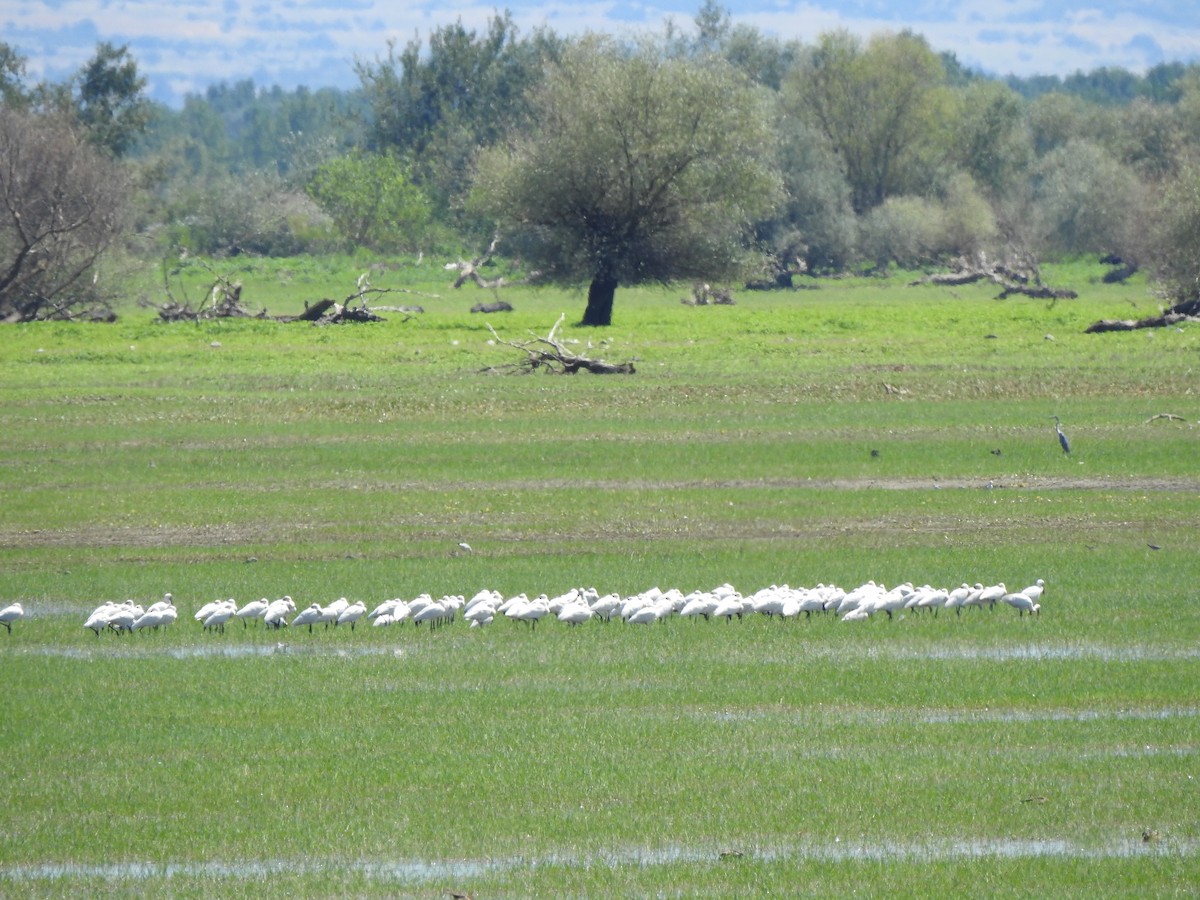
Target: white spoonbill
x: 1034, y: 591
x: 11, y: 613
x: 1022, y: 603
x: 646, y: 615
x: 151, y: 618
x: 123, y: 617
x: 433, y: 613
x: 255, y: 609
x: 209, y: 608
x: 220, y: 616
x: 308, y: 616
x: 575, y: 613
x: 278, y: 611
x: 352, y: 614
x: 98, y: 620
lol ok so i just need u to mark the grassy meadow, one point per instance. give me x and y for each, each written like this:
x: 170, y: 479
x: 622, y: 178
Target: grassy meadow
x: 848, y: 430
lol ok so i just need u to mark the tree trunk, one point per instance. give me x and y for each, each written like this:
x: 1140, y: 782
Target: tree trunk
x: 600, y: 301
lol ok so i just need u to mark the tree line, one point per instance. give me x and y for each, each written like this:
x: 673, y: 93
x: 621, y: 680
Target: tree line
x: 713, y: 152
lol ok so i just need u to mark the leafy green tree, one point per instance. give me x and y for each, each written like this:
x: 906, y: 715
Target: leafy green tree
x: 1150, y: 138
x: 638, y: 168
x: 1083, y: 200
x: 763, y: 59
x: 712, y: 27
x: 1057, y: 118
x: 371, y: 200
x: 436, y: 106
x: 1173, y: 253
x: 109, y: 100
x: 991, y: 141
x: 815, y: 226
x: 883, y: 108
x: 12, y: 77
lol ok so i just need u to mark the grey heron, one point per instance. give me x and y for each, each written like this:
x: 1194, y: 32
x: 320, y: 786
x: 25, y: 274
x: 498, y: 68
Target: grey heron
x: 1062, y: 438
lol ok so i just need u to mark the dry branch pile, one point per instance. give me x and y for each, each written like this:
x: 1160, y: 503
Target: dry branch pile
x: 547, y: 354
x: 1014, y: 278
x: 224, y: 300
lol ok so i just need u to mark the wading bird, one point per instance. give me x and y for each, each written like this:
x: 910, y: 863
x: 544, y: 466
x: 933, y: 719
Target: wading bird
x: 351, y: 614
x: 10, y: 614
x: 1062, y: 438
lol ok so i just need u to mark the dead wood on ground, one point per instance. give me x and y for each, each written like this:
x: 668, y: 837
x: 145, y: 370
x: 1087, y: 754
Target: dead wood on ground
x: 1015, y: 277
x: 224, y: 301
x: 468, y: 270
x: 1180, y: 313
x: 548, y: 354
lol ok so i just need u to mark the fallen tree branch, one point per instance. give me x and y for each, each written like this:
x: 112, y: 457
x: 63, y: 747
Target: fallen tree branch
x: 468, y: 270
x: 1013, y: 279
x: 547, y: 354
x: 494, y: 306
x: 1170, y: 417
x: 1187, y: 311
x: 224, y: 300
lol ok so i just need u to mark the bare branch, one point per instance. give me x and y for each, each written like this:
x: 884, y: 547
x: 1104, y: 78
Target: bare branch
x: 548, y: 354
x: 469, y: 270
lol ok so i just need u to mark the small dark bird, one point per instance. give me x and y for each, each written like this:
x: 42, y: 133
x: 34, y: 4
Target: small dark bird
x: 874, y: 454
x: 1062, y: 438
x: 996, y: 452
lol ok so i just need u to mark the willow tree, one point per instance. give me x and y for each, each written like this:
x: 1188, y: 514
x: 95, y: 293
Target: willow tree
x: 638, y: 167
x: 882, y: 106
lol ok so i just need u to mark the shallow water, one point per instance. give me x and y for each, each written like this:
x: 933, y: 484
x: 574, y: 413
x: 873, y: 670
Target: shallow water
x: 208, y: 651
x: 951, y: 716
x: 110, y: 646
x: 417, y: 871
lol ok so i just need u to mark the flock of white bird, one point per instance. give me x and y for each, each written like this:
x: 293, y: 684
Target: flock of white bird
x: 575, y: 607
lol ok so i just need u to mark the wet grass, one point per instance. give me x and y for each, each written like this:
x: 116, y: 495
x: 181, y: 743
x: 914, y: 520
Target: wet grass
x: 974, y: 754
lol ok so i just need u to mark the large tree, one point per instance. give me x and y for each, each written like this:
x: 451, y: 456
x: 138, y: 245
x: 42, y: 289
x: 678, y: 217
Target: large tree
x: 882, y: 106
x: 109, y: 100
x: 436, y: 105
x: 62, y: 205
x: 638, y: 167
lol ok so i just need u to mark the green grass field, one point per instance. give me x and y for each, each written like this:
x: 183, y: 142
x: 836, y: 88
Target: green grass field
x: 837, y: 434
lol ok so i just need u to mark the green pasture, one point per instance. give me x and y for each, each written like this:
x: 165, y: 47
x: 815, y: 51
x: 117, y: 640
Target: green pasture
x: 838, y: 432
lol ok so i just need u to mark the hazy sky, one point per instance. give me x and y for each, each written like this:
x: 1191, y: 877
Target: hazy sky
x: 182, y: 46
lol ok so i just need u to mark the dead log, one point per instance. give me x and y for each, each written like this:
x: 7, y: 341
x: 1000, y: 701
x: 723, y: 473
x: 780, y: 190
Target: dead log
x: 316, y: 311
x: 951, y: 279
x: 494, y: 306
x: 1164, y: 320
x: 547, y: 354
x: 1038, y: 292
x: 1016, y: 278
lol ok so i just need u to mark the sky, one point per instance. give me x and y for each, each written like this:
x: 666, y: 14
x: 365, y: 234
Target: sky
x: 182, y: 46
